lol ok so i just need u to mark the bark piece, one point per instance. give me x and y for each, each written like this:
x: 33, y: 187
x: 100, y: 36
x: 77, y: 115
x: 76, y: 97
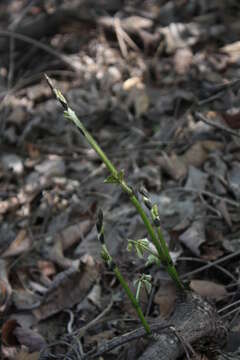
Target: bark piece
x: 195, y: 320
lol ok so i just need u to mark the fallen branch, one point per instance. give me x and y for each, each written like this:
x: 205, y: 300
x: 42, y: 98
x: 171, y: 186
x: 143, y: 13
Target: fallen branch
x: 194, y: 320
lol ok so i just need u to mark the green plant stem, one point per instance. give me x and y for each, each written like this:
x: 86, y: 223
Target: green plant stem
x: 156, y: 239
x: 133, y: 300
x: 169, y: 263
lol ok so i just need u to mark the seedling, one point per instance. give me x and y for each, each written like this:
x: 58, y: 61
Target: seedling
x: 152, y: 226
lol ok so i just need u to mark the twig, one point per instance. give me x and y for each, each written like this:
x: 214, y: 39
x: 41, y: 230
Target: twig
x: 123, y: 38
x: 82, y: 330
x: 70, y: 63
x: 200, y: 117
x: 229, y: 306
x: 226, y: 272
x: 12, y: 27
x: 208, y: 266
x: 207, y: 193
x: 123, y: 339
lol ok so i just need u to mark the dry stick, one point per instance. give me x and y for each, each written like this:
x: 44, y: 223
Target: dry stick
x: 207, y: 193
x: 220, y: 89
x: 230, y: 313
x: 225, y: 258
x: 226, y: 272
x: 12, y: 27
x: 229, y: 306
x: 199, y: 116
x: 82, y: 330
x: 70, y: 63
x: 125, y: 338
x: 193, y: 318
x: 118, y: 178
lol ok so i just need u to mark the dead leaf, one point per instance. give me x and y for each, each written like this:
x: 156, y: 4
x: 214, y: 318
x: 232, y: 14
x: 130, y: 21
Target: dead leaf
x: 233, y: 50
x: 197, y: 179
x: 183, y: 60
x: 211, y: 253
x: 194, y: 236
x: 141, y: 102
x: 65, y: 239
x: 22, y: 299
x: 46, y: 268
x: 24, y: 355
x: 98, y: 338
x: 57, y: 256
x: 76, y: 283
x: 232, y: 120
x: 134, y: 82
x: 33, y: 151
x: 12, y: 163
x: 208, y: 289
x: 29, y: 338
x: 95, y: 295
x: 8, y: 336
x: 222, y: 207
x: 5, y: 286
x: 165, y: 297
x: 137, y: 96
x: 198, y: 153
x: 173, y: 166
x: 18, y: 116
x: 74, y: 233
x: 21, y: 244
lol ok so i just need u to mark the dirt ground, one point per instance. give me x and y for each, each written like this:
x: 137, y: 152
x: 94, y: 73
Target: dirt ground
x: 157, y: 83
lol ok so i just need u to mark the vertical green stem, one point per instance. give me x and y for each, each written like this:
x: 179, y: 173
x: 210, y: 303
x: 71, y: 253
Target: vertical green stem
x: 168, y: 260
x: 132, y: 298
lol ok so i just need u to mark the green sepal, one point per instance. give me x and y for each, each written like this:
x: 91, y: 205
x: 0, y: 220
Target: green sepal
x: 111, y: 179
x: 115, y: 179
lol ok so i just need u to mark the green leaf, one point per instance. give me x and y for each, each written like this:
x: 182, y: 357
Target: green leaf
x: 139, y: 251
x: 152, y: 260
x: 148, y: 286
x: 130, y: 245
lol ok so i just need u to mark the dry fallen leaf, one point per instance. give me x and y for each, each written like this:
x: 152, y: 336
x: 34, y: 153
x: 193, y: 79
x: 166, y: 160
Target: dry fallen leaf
x: 165, y: 297
x: 137, y: 96
x: 194, y: 236
x: 46, y: 268
x: 173, y: 166
x: 8, y: 336
x: 29, y: 338
x: 18, y: 246
x: 208, y: 289
x: 183, y: 59
x: 198, y: 153
x: 76, y: 283
x: 24, y: 355
x: 5, y: 286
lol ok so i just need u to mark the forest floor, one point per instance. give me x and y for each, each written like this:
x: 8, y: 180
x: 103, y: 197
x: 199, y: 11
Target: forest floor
x: 157, y: 83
